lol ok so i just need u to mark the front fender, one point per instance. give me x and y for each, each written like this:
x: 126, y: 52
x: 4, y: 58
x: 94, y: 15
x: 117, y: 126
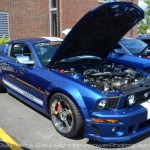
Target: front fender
x: 83, y: 96
x: 130, y: 60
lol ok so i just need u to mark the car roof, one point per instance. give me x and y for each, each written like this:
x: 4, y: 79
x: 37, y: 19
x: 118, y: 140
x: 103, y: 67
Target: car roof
x: 145, y: 37
x: 39, y: 39
x: 127, y: 38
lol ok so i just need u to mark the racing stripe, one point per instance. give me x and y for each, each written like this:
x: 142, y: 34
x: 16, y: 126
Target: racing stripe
x: 24, y: 93
x: 147, y: 106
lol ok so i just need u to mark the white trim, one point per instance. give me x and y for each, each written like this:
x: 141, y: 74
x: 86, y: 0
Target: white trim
x: 146, y: 105
x: 53, y: 9
x: 24, y: 93
x: 53, y: 39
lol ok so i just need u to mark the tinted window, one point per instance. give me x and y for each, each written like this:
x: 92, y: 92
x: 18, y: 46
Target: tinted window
x: 134, y: 46
x: 146, y: 41
x: 20, y: 49
x: 46, y: 51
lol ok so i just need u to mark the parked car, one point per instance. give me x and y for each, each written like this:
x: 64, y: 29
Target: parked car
x: 132, y: 46
x: 136, y: 47
x: 73, y: 83
x: 145, y: 38
x: 128, y: 50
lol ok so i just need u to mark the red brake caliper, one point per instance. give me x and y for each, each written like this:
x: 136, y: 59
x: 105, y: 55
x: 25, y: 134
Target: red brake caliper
x: 58, y: 107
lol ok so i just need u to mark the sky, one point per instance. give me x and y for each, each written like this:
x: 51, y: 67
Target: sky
x: 142, y: 4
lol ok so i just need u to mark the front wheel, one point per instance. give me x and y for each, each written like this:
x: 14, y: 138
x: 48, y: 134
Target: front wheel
x: 65, y: 116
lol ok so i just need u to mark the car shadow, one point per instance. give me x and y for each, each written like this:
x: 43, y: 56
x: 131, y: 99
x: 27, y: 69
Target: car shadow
x: 28, y: 105
x: 44, y: 115
x: 4, y: 146
x: 131, y: 144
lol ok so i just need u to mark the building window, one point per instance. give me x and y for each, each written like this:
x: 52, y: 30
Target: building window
x: 4, y: 29
x: 53, y: 3
x: 53, y: 18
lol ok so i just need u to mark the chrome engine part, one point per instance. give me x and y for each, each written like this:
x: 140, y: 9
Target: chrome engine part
x: 107, y: 77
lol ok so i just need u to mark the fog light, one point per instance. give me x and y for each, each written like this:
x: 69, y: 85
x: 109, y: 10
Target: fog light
x: 118, y: 131
x: 102, y: 104
x: 131, y: 100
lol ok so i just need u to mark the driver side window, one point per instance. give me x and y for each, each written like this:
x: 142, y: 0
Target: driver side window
x: 22, y: 54
x: 20, y: 50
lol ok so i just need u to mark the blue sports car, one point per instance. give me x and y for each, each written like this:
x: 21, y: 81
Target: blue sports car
x: 127, y: 52
x: 73, y: 83
x: 145, y: 38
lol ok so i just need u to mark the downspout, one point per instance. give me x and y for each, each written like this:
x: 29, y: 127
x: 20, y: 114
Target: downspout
x: 131, y: 31
x: 58, y: 18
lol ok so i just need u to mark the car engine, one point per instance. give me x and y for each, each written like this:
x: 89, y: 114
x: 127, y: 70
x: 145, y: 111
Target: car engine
x: 106, y: 76
x: 111, y: 78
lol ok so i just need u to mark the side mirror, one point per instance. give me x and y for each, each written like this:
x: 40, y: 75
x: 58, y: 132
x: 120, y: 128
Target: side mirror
x: 25, y: 60
x: 119, y: 51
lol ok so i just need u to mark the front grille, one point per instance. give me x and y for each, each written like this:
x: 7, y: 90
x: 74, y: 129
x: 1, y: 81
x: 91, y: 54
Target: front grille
x: 141, y: 91
x: 142, y: 96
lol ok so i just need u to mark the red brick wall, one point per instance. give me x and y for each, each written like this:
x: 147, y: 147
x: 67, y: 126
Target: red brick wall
x: 30, y: 18
x: 27, y: 18
x: 72, y: 10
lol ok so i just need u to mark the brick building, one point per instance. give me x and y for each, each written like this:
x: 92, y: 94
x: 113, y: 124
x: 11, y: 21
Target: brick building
x: 33, y: 18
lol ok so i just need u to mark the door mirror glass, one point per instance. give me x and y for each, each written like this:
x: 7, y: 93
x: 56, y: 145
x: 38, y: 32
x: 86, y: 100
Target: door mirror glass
x: 25, y: 60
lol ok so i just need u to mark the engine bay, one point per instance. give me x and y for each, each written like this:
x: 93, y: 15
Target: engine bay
x: 105, y: 76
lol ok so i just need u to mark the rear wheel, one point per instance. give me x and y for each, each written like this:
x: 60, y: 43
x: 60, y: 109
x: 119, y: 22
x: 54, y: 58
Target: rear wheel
x: 65, y: 116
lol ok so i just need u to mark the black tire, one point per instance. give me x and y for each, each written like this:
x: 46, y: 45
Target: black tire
x: 77, y: 126
x: 2, y: 89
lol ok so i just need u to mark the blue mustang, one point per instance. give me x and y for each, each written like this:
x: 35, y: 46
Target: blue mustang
x: 73, y: 83
x: 128, y: 51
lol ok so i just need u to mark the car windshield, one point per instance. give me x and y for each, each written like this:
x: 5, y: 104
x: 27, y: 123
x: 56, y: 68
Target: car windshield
x: 46, y: 51
x: 134, y: 46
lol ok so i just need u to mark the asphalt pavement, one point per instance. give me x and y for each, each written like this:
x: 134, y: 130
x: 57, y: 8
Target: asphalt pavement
x: 34, y: 131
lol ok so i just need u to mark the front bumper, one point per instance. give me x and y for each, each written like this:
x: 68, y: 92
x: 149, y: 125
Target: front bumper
x: 133, y: 122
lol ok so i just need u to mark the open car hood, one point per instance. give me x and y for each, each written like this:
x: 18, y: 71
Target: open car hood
x: 99, y: 30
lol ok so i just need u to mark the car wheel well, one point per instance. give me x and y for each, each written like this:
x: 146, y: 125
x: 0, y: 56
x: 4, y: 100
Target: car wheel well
x: 57, y: 91
x: 54, y: 92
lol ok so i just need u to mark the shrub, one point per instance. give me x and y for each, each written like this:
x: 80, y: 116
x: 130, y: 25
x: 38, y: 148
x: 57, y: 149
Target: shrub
x: 3, y: 40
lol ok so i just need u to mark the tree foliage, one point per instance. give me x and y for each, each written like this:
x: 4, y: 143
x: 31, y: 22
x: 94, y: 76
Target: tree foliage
x: 145, y: 23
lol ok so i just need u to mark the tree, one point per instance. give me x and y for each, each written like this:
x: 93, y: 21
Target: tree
x: 145, y: 23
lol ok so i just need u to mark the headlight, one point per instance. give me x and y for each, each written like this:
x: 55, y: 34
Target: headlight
x: 102, y: 104
x: 131, y: 100
x: 110, y: 103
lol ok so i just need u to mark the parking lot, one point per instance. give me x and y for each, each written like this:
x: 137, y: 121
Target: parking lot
x: 25, y: 128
